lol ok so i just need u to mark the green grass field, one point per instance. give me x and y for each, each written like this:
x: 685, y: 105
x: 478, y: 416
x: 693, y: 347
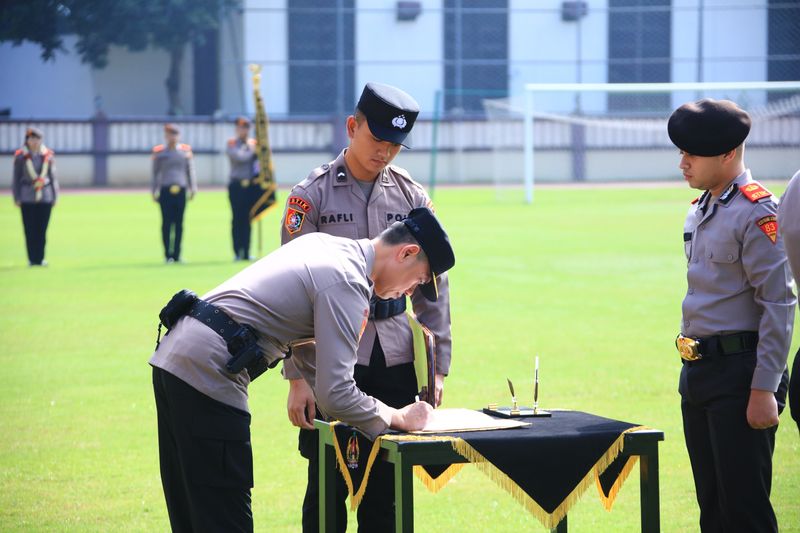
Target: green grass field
x: 590, y: 280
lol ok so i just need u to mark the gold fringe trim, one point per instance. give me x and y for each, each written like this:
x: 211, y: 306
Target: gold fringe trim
x: 262, y: 200
x: 549, y: 520
x: 436, y: 484
x: 355, y: 499
x: 608, y: 501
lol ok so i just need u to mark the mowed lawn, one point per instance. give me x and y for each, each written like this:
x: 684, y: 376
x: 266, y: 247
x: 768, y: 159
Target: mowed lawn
x: 588, y: 279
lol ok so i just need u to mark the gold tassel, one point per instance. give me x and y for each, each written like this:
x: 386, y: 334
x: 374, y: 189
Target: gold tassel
x: 436, y: 484
x: 355, y: 497
x: 549, y: 520
x: 608, y: 501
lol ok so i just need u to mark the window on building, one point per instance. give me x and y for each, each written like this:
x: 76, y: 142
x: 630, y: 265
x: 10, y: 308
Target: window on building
x: 476, y: 53
x: 639, y: 51
x: 783, y: 42
x: 321, y: 52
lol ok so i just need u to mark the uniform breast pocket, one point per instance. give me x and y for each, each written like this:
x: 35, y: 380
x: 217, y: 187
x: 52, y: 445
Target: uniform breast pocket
x: 724, y: 259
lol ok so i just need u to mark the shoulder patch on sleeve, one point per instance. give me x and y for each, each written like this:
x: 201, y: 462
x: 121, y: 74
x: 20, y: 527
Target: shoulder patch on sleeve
x: 231, y: 141
x: 185, y: 147
x: 252, y: 142
x: 158, y: 148
x: 302, y: 203
x: 769, y: 225
x: 294, y: 220
x: 754, y: 191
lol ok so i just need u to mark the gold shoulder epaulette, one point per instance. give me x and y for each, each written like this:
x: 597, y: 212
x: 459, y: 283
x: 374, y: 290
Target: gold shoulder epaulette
x: 754, y: 191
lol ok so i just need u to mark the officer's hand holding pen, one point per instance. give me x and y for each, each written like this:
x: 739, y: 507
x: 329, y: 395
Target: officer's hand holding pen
x: 412, y: 417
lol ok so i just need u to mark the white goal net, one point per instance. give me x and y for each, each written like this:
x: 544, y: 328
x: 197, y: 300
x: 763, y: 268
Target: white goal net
x: 618, y: 132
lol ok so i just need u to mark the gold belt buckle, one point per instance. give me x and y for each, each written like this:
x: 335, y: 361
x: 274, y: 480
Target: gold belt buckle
x: 688, y: 348
x: 174, y: 189
x: 245, y: 183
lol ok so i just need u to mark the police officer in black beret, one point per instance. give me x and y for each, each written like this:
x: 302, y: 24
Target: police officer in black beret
x: 737, y: 320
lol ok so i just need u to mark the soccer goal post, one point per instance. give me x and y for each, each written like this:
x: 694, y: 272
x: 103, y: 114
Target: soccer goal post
x: 597, y: 121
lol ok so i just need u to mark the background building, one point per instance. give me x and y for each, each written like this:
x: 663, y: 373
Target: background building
x: 449, y: 54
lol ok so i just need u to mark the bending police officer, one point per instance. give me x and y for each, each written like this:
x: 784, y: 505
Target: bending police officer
x: 358, y: 195
x: 317, y: 287
x: 737, y: 320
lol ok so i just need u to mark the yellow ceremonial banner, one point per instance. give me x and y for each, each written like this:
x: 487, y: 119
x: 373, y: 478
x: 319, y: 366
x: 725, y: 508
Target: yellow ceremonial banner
x: 263, y: 185
x: 424, y: 360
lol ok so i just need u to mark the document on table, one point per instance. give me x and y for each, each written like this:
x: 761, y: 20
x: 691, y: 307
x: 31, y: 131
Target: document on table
x: 454, y: 420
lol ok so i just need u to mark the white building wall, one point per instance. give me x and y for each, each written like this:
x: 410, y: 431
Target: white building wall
x: 407, y: 54
x: 266, y: 42
x: 32, y: 88
x: 545, y: 49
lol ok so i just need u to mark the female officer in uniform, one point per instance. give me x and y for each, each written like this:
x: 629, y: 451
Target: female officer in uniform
x: 35, y: 192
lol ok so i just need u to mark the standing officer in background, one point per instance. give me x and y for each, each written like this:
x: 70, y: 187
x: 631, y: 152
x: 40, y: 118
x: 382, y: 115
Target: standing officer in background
x: 242, y: 154
x: 35, y: 192
x: 357, y: 196
x: 173, y: 176
x: 789, y: 226
x: 737, y: 321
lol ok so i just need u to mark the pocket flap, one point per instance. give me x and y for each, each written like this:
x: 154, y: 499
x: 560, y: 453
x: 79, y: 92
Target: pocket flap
x: 723, y: 253
x: 235, y: 426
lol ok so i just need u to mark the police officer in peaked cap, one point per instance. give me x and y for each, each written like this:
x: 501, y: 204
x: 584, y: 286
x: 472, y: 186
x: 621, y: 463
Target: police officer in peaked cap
x: 358, y: 195
x: 737, y: 320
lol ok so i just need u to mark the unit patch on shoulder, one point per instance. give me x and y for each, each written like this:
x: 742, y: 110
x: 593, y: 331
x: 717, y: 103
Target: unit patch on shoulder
x: 294, y: 220
x: 769, y: 225
x: 363, y: 324
x: 754, y: 191
x: 300, y: 202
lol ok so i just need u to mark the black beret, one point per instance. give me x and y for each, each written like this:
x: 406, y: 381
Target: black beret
x: 390, y: 112
x: 708, y: 127
x: 425, y: 228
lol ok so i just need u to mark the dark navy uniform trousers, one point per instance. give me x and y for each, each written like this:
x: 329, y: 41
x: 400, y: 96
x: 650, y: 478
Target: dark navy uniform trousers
x: 731, y: 462
x: 396, y: 387
x: 172, y: 208
x: 35, y: 218
x: 206, y: 459
x: 241, y: 202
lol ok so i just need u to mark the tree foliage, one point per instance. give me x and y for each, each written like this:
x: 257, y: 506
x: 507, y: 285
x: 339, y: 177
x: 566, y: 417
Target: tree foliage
x: 99, y: 24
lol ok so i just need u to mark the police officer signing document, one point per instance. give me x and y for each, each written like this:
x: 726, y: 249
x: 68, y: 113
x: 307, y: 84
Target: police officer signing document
x: 737, y: 321
x: 318, y: 287
x: 358, y: 195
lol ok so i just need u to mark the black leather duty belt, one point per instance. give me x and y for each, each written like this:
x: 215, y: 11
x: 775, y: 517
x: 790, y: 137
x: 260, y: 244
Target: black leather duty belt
x: 379, y: 309
x: 692, y: 349
x: 241, y: 339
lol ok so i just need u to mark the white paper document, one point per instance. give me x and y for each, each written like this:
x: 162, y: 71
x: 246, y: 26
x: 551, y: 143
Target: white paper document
x: 453, y: 420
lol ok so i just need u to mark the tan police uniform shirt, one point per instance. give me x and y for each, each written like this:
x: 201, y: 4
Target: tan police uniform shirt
x: 242, y: 156
x: 173, y: 167
x: 330, y: 200
x: 789, y: 224
x: 316, y: 287
x: 737, y: 274
x: 23, y: 183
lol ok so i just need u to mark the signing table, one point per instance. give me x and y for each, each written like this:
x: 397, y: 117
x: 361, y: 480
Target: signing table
x: 545, y: 466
